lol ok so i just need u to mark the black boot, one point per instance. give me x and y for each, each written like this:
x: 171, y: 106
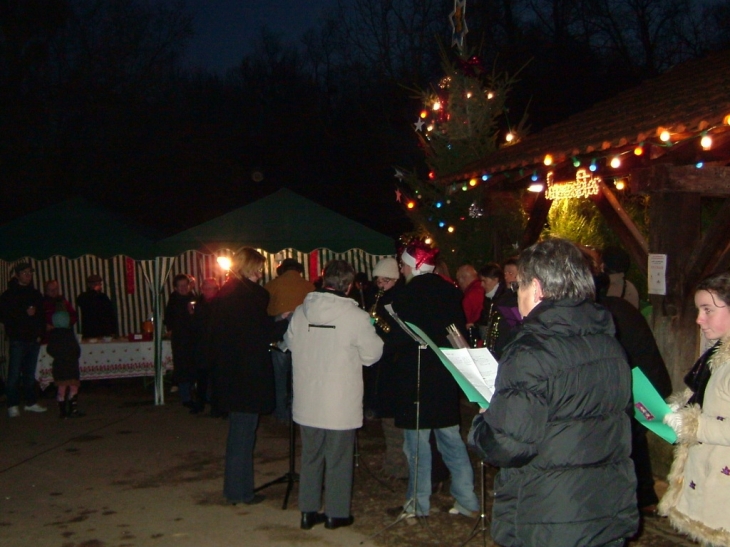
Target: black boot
x: 62, y: 410
x: 74, y: 408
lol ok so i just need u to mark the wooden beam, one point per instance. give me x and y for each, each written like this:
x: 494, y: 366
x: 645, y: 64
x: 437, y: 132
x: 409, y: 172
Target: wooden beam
x: 708, y: 181
x: 622, y: 225
x: 537, y: 220
x: 705, y: 257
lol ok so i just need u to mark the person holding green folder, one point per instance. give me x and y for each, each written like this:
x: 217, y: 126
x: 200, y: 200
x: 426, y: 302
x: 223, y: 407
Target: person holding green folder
x: 558, y: 424
x: 698, y: 496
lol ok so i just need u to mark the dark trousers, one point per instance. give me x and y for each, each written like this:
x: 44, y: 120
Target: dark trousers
x: 334, y: 450
x: 645, y: 493
x: 238, y: 478
x: 21, y: 371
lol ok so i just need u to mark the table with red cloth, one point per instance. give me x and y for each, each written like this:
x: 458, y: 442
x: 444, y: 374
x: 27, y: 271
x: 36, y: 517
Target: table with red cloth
x: 108, y: 360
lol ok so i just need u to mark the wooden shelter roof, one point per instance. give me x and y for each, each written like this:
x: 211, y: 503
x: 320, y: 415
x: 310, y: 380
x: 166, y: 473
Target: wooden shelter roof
x: 687, y: 100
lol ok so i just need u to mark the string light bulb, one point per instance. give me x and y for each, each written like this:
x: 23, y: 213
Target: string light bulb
x: 548, y: 159
x: 424, y: 113
x: 619, y: 184
x: 436, y: 106
x: 450, y: 229
x: 726, y: 120
x: 592, y: 167
x: 427, y: 241
x: 490, y: 95
x: 485, y: 178
x: 468, y: 94
x: 664, y: 136
x: 639, y: 150
x: 576, y: 162
x: 615, y: 162
x: 473, y: 182
x: 706, y: 142
x: 411, y: 204
x: 509, y: 137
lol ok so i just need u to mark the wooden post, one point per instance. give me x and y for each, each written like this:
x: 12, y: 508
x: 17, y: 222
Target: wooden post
x: 675, y: 232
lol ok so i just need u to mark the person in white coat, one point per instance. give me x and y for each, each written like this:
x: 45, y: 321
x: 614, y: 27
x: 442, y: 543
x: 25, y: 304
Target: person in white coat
x: 330, y: 339
x: 698, y: 496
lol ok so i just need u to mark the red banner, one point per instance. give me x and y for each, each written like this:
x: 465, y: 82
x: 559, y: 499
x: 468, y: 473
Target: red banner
x: 129, y: 266
x: 314, y: 266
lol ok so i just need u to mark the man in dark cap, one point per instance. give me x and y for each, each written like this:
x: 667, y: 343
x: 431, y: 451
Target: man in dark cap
x: 287, y: 291
x: 21, y: 311
x: 98, y: 317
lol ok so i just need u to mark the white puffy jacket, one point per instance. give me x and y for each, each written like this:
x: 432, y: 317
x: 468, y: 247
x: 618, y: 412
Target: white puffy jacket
x: 330, y: 339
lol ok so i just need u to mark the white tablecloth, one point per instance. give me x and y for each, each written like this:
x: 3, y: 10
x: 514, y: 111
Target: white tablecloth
x: 107, y: 360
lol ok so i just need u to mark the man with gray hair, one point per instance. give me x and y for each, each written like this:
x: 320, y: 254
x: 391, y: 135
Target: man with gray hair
x: 330, y: 339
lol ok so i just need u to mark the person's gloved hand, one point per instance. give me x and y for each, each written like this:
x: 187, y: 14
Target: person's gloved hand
x: 674, y: 420
x: 674, y: 407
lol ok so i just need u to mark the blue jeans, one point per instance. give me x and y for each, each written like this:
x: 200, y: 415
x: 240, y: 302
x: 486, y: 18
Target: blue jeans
x: 281, y: 362
x: 453, y: 450
x: 238, y: 478
x: 21, y: 367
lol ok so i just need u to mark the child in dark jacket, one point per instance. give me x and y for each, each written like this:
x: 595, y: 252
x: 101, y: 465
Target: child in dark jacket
x: 65, y: 350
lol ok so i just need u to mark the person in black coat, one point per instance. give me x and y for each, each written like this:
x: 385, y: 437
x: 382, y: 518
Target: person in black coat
x: 21, y: 311
x: 179, y: 323
x: 431, y: 303
x: 240, y: 332
x: 558, y: 425
x: 201, y: 319
x: 634, y: 334
x: 98, y: 317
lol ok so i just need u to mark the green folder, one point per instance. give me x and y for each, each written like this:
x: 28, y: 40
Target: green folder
x: 469, y: 390
x: 650, y: 408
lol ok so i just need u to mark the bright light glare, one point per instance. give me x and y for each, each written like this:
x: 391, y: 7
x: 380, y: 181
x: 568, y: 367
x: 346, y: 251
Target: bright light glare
x: 224, y: 262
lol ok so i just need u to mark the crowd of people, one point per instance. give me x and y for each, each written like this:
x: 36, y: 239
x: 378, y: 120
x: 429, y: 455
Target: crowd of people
x: 563, y: 322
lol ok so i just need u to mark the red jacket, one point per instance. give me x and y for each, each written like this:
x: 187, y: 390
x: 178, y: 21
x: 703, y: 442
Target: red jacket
x: 473, y: 301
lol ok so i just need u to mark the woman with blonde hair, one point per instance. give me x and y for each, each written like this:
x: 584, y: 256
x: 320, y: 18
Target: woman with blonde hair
x: 240, y: 332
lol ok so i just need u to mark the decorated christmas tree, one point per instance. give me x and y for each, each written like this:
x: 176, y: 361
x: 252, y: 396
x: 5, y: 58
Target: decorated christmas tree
x: 458, y: 124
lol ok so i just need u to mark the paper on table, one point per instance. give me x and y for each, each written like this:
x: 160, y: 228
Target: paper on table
x: 478, y: 393
x: 650, y: 408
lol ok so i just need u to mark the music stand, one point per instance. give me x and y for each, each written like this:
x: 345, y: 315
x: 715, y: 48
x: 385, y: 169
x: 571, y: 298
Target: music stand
x: 290, y: 477
x: 481, y: 526
x: 413, y: 501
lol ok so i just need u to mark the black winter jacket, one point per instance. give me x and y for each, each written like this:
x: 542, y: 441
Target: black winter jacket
x: 558, y: 428
x: 431, y: 303
x: 14, y: 304
x: 240, y: 332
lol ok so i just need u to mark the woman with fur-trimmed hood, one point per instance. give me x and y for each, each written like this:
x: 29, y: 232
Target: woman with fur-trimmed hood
x: 698, y: 497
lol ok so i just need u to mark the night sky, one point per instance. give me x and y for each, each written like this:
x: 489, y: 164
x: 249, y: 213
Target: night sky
x: 225, y: 29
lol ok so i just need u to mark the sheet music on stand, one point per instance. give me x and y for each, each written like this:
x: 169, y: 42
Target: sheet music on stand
x: 401, y: 324
x: 474, y: 369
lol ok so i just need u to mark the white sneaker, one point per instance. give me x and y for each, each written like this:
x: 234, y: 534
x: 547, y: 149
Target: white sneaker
x: 13, y: 412
x: 35, y: 408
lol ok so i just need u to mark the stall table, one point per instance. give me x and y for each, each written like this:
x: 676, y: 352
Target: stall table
x: 108, y: 360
